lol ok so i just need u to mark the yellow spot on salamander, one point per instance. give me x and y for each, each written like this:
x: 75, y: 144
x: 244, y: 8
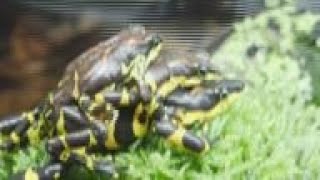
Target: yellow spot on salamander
x: 139, y: 129
x: 153, y: 54
x: 89, y: 162
x: 31, y: 175
x: 61, y: 123
x: 92, y: 139
x: 137, y: 69
x: 176, y: 137
x: 15, y: 138
x: 33, y: 135
x: 108, y: 107
x: 111, y: 142
x: 99, y: 99
x: 80, y: 151
x: 56, y: 176
x: 30, y: 117
x: 64, y: 156
x: 125, y: 97
x: 153, y: 106
x: 63, y: 140
x: 191, y: 82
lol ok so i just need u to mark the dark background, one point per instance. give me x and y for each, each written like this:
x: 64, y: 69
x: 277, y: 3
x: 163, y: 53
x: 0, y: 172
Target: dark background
x: 39, y: 37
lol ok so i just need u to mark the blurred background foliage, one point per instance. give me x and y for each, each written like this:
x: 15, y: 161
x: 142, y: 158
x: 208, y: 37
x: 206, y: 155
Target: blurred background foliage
x: 271, y: 132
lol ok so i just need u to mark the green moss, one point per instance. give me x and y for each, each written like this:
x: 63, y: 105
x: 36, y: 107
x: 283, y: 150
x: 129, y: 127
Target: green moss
x: 271, y: 132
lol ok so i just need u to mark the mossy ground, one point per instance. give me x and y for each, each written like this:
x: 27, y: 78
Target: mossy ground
x: 271, y: 132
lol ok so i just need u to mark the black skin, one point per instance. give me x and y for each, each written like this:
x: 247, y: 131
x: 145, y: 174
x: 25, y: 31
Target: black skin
x: 170, y: 63
x: 100, y: 66
x: 84, y: 123
x: 210, y: 94
x: 96, y: 68
x: 164, y: 127
x: 176, y: 63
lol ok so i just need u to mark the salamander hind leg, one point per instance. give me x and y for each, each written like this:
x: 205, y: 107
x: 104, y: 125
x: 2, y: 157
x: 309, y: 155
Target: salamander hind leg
x: 178, y: 136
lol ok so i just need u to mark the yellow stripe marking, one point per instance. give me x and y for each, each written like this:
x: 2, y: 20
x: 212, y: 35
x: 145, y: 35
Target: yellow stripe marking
x: 61, y: 123
x: 153, y: 54
x: 63, y: 140
x: 175, y: 139
x: 64, y: 156
x: 108, y: 107
x: 125, y: 97
x: 99, y: 98
x: 191, y: 82
x: 30, y: 117
x: 33, y: 135
x: 137, y: 68
x: 76, y: 88
x: 170, y: 85
x: 92, y: 140
x: 56, y: 176
x: 15, y: 138
x: 89, y: 163
x: 81, y: 151
x: 139, y: 129
x: 153, y: 106
x: 111, y: 142
x: 188, y: 117
x: 31, y: 175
